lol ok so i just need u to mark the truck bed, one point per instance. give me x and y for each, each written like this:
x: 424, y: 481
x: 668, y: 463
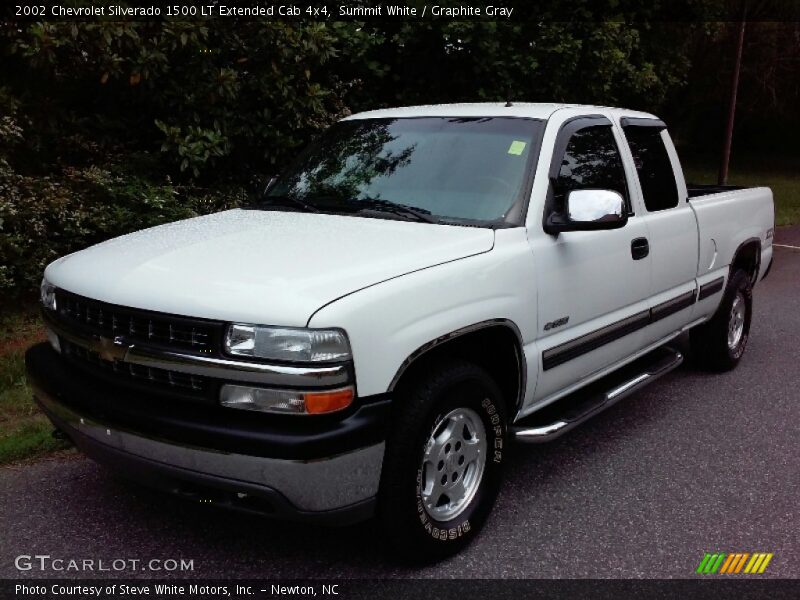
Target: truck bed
x: 728, y: 217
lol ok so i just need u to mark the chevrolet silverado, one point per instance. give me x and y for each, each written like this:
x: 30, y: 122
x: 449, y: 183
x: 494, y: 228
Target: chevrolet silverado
x: 420, y: 288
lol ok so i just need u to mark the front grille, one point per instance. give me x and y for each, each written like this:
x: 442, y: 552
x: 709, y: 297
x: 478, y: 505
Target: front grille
x: 168, y: 380
x: 141, y: 328
x: 110, y: 320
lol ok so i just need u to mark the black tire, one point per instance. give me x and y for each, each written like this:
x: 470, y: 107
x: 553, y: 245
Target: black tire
x: 445, y: 390
x: 710, y: 342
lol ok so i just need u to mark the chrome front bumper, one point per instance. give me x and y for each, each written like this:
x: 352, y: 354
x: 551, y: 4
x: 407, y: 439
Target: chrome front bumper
x: 190, y: 446
x: 339, y: 488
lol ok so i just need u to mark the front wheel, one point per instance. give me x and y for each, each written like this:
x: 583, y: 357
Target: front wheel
x: 443, y: 462
x: 719, y: 344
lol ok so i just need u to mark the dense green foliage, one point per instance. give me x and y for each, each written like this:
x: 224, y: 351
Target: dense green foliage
x: 109, y: 127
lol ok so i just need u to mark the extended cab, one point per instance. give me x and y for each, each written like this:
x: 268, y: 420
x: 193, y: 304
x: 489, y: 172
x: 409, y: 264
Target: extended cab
x: 421, y: 287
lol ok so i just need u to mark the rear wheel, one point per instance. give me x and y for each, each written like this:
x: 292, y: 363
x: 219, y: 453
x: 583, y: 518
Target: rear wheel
x: 443, y: 462
x: 720, y: 343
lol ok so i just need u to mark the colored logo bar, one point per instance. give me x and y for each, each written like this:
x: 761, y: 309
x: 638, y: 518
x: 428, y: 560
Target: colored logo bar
x: 734, y: 563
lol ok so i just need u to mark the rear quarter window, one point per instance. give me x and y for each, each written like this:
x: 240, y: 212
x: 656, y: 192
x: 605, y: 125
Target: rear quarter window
x: 653, y: 167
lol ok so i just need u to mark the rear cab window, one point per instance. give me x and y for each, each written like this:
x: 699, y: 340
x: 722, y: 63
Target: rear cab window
x: 653, y: 166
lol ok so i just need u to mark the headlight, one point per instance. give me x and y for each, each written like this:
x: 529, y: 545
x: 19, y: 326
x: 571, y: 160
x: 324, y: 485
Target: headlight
x: 286, y: 401
x: 47, y: 293
x: 287, y: 344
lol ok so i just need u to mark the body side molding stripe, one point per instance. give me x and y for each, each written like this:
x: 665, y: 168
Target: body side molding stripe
x: 558, y: 355
x: 591, y: 341
x: 712, y: 287
x: 670, y: 307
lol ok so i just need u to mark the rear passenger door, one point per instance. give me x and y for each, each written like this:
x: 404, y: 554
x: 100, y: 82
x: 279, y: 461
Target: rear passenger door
x: 671, y: 225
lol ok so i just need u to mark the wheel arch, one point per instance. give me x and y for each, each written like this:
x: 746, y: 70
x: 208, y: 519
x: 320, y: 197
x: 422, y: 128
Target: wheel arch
x: 748, y: 258
x: 491, y: 344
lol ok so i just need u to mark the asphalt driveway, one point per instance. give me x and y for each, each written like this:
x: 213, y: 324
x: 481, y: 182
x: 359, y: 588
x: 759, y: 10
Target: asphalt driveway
x: 695, y: 463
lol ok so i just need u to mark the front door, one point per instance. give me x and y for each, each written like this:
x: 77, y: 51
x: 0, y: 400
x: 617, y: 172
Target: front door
x: 593, y: 286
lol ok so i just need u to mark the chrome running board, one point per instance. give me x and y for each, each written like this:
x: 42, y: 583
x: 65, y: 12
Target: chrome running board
x: 567, y: 413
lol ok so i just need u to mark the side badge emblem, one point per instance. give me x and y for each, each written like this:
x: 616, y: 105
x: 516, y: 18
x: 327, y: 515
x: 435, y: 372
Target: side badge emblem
x: 556, y: 323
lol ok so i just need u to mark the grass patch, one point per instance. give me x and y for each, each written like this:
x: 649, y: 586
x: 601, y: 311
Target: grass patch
x: 782, y: 176
x: 24, y: 431
x: 19, y: 323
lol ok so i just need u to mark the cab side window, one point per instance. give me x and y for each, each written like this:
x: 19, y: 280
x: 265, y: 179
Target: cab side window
x: 653, y: 167
x: 591, y: 161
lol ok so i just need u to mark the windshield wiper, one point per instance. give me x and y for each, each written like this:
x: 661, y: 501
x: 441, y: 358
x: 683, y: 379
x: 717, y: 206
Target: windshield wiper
x: 403, y: 210
x: 270, y: 201
x: 359, y: 205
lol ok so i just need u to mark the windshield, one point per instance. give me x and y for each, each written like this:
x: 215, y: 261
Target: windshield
x: 431, y: 169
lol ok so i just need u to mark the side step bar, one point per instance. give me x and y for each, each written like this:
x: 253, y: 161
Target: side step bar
x: 567, y: 413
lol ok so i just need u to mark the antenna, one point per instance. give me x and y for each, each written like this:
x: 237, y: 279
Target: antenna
x: 508, y: 96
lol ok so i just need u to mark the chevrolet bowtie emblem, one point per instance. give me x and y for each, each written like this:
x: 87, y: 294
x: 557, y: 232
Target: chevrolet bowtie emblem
x: 112, y: 349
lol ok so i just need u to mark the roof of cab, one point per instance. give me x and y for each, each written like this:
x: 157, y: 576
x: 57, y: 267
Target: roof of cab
x: 478, y: 109
x: 531, y: 110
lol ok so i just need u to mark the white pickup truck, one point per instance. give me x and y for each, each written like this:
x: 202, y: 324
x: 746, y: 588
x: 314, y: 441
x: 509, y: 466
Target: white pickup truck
x: 420, y: 288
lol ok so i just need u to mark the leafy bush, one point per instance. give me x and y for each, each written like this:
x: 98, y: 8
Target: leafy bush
x: 46, y: 216
x: 109, y: 126
x: 236, y: 98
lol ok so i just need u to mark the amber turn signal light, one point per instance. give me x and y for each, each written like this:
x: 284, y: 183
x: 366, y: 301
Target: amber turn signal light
x: 325, y: 402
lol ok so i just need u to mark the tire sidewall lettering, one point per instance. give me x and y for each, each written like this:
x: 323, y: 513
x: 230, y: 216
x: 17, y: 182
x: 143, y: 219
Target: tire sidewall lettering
x: 496, y: 428
x: 446, y: 532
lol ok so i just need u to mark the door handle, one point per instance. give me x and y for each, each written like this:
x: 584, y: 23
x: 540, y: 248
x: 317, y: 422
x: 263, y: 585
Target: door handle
x: 640, y: 248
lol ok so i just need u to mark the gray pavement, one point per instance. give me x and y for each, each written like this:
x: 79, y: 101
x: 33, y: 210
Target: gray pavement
x: 788, y: 236
x: 695, y: 463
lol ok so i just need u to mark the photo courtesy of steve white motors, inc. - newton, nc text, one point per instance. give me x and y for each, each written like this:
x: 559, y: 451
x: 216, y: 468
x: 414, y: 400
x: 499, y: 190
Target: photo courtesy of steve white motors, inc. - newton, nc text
x: 412, y: 301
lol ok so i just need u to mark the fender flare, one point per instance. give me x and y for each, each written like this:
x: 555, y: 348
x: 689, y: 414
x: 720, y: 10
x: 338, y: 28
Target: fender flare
x: 443, y: 339
x: 740, y: 248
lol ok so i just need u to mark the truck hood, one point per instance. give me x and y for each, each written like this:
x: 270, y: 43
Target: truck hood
x: 257, y: 266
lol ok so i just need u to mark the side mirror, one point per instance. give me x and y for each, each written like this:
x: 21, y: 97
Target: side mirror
x: 589, y: 210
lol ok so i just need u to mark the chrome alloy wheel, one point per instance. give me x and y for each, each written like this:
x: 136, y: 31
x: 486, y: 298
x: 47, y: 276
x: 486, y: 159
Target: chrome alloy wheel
x: 453, y: 463
x: 736, y: 321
